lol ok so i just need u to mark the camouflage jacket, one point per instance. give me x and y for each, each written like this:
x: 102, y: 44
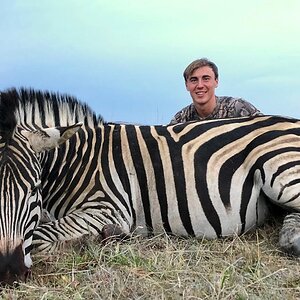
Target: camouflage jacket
x: 227, y: 107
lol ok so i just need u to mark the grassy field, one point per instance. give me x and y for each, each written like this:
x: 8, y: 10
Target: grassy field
x: 163, y: 267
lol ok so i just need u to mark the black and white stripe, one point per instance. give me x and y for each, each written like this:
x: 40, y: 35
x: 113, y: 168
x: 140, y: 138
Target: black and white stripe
x: 204, y: 179
x: 20, y: 182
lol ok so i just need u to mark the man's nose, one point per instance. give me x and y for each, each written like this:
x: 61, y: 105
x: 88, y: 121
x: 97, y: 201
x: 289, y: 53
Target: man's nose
x: 199, y: 83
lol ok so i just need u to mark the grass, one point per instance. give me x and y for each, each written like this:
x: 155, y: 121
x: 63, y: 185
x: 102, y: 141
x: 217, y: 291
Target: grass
x: 164, y: 267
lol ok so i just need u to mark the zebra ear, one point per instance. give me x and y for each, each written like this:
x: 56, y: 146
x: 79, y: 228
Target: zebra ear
x: 49, y: 138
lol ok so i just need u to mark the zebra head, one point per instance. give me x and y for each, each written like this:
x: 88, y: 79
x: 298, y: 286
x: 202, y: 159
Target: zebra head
x: 20, y: 189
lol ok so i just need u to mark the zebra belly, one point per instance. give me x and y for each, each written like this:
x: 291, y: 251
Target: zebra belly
x: 202, y: 225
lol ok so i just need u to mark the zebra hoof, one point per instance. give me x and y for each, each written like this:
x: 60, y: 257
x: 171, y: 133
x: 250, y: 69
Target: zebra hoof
x: 112, y: 232
x: 291, y: 247
x: 289, y: 237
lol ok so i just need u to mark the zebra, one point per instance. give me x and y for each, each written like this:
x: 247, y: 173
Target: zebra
x: 21, y: 144
x: 208, y: 179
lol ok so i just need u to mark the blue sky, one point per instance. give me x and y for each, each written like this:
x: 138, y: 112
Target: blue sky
x: 126, y: 58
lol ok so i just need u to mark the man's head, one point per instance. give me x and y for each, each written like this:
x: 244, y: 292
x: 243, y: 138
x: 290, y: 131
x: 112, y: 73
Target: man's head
x: 199, y: 63
x: 201, y: 80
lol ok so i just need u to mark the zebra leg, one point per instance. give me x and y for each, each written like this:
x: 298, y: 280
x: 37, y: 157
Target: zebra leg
x: 53, y: 235
x: 289, y: 236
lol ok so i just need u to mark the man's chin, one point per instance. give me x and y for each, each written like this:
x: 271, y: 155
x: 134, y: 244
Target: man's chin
x: 200, y: 100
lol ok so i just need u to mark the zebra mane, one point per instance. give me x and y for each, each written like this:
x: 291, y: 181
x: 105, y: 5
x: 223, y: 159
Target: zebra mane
x: 8, y: 120
x: 34, y: 108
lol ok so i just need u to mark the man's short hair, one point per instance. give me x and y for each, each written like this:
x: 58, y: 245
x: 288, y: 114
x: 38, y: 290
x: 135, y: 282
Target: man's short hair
x: 198, y: 63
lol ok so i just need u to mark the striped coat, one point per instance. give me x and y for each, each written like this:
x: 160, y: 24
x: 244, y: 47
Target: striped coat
x: 205, y: 179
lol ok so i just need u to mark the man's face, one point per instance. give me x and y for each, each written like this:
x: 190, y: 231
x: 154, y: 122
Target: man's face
x: 201, y: 85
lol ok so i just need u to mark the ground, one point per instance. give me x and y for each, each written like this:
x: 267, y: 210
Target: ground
x: 164, y: 267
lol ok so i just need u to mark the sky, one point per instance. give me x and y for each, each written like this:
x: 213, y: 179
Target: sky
x: 125, y: 58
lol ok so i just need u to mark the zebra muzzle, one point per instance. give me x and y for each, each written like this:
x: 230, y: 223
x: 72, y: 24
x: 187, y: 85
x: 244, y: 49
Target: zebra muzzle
x: 12, y: 267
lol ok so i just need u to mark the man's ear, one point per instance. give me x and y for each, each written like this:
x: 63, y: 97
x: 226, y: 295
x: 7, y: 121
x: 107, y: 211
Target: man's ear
x: 49, y: 138
x: 186, y: 86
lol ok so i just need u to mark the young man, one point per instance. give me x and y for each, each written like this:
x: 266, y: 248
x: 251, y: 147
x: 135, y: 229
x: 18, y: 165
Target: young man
x: 201, y: 79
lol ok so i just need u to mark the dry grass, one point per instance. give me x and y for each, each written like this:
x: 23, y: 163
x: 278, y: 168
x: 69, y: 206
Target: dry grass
x: 162, y: 267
